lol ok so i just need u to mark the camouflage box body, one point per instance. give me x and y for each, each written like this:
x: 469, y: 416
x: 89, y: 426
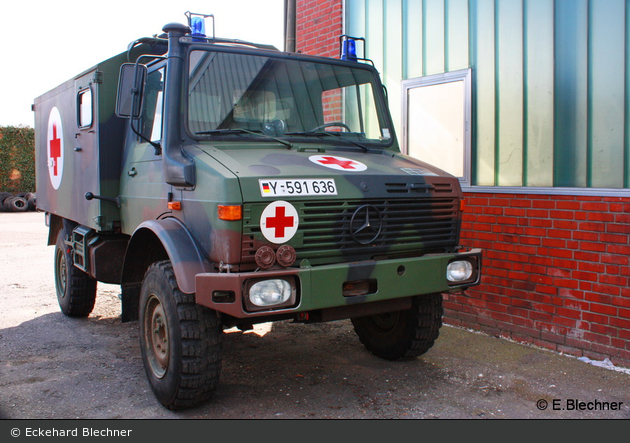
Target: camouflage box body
x: 74, y: 157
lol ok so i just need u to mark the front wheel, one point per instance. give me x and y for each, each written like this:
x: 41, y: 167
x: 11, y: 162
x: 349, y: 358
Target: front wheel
x: 402, y: 334
x: 180, y: 340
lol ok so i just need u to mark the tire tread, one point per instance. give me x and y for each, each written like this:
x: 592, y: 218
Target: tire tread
x: 201, y: 345
x: 414, y: 334
x: 80, y: 287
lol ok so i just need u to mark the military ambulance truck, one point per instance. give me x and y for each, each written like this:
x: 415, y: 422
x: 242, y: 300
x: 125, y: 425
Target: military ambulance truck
x: 223, y: 184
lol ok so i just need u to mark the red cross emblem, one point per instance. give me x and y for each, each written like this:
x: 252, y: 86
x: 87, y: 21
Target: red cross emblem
x: 338, y: 163
x: 279, y: 222
x: 345, y: 164
x: 55, y: 148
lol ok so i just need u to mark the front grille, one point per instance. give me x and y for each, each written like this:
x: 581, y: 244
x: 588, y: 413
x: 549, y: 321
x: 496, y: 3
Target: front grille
x: 407, y: 188
x: 416, y: 225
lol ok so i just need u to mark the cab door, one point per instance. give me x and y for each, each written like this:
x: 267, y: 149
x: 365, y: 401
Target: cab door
x: 143, y: 190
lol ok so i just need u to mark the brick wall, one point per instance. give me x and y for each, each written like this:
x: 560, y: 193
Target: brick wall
x: 319, y: 25
x: 556, y: 272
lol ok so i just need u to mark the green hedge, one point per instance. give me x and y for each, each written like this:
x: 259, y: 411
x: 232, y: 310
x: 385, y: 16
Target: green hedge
x: 17, y: 159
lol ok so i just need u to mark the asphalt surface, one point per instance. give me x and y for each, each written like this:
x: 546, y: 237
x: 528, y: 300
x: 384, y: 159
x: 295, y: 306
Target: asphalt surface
x: 54, y: 367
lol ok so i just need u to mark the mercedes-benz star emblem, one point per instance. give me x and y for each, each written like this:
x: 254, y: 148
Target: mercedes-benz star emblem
x: 366, y: 224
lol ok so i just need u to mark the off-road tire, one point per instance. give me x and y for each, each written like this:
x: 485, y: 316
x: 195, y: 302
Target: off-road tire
x: 181, y: 341
x: 402, y: 334
x: 76, y: 290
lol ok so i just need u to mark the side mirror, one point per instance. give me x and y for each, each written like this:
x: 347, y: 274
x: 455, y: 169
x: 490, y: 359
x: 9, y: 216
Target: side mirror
x: 130, y: 90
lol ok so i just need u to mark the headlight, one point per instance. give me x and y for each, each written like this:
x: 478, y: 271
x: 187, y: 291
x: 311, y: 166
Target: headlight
x: 459, y: 271
x: 273, y: 293
x: 270, y: 292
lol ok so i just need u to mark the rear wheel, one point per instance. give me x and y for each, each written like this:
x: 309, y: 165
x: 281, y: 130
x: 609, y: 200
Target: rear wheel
x: 402, y: 334
x: 76, y: 290
x: 181, y: 341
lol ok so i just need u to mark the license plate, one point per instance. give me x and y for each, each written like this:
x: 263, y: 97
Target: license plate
x: 297, y: 187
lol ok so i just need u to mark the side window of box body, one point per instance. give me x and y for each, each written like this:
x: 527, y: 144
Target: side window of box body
x: 85, y: 108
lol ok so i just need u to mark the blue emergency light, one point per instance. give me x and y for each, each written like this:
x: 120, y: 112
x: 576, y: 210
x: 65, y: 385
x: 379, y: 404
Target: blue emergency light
x: 349, y: 51
x: 198, y: 27
x: 197, y: 24
x: 349, y: 47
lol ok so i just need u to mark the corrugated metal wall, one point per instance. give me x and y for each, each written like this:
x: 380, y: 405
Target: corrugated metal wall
x: 551, y: 80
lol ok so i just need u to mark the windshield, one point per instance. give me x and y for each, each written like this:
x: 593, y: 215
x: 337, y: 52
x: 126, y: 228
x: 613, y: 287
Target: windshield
x: 232, y: 93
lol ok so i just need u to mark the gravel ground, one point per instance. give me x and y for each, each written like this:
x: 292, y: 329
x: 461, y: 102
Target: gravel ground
x: 54, y: 367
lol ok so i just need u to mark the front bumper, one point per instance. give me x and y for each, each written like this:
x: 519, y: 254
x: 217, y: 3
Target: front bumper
x: 327, y: 286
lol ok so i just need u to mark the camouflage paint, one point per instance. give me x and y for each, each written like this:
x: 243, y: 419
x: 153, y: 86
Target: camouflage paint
x: 412, y: 199
x: 320, y: 287
x: 92, y: 154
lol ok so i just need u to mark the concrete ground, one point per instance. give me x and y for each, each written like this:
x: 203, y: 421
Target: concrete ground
x: 54, y: 367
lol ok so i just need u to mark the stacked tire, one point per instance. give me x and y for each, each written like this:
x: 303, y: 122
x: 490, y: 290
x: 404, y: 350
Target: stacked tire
x: 22, y: 202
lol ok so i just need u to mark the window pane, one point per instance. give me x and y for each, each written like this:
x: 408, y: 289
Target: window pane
x: 85, y: 108
x: 436, y: 125
x: 152, y: 109
x: 243, y: 92
x: 351, y: 109
x: 156, y: 132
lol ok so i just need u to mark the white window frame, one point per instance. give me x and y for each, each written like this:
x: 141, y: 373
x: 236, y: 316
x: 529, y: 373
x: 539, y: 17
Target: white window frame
x: 464, y: 75
x: 85, y: 108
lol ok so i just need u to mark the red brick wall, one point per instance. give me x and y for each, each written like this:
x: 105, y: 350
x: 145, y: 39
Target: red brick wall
x: 319, y: 25
x: 556, y: 272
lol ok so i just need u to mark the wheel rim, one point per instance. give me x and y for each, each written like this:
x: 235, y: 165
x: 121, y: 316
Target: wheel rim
x: 385, y: 322
x: 156, y: 335
x: 60, y: 274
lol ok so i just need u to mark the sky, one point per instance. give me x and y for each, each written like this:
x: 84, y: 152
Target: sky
x: 46, y: 42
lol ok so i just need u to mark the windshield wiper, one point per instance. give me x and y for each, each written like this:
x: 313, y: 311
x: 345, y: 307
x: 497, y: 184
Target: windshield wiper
x: 330, y: 134
x: 243, y: 131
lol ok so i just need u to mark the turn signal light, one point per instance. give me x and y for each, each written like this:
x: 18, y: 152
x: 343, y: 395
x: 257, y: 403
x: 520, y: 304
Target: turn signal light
x: 230, y: 213
x: 174, y: 206
x: 359, y: 287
